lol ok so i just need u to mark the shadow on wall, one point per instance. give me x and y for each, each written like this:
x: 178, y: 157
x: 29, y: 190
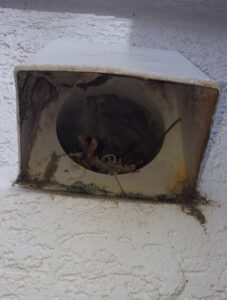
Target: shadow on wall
x: 152, y: 23
x: 119, y: 8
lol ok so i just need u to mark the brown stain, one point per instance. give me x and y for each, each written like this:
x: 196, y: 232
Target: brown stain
x: 183, y: 193
x: 181, y: 179
x: 35, y: 93
x: 51, y: 167
x: 47, y: 177
x: 209, y: 101
x: 198, y: 110
x: 96, y: 80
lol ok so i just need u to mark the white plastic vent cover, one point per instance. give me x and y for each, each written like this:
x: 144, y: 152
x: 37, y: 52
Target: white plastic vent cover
x: 112, y: 120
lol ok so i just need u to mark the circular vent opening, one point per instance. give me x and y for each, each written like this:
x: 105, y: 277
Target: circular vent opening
x: 110, y: 134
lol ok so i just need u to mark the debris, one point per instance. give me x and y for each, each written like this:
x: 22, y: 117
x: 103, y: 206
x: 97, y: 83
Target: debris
x: 90, y: 153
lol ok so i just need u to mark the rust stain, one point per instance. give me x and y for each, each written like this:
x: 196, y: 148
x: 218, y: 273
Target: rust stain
x: 184, y: 193
x: 47, y: 177
x: 181, y: 180
x: 51, y: 167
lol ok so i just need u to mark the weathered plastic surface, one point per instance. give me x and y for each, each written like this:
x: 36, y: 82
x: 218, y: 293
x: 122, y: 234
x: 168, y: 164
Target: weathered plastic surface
x: 150, y: 78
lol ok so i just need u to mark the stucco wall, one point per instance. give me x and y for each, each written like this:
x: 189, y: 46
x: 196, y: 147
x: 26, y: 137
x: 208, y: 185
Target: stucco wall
x: 55, y: 247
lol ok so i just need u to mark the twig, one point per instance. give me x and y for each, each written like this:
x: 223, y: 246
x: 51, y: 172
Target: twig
x: 118, y: 182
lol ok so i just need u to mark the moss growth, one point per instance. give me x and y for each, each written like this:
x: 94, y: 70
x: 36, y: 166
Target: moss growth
x: 88, y: 189
x: 196, y: 213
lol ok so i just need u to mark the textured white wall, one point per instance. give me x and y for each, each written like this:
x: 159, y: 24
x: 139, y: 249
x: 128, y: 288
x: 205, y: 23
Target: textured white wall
x: 55, y: 247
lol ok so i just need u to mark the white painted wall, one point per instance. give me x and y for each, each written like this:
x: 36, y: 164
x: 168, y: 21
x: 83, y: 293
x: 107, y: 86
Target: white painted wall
x: 55, y: 247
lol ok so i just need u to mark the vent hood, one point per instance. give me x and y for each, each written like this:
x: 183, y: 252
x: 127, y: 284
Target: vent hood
x: 110, y: 120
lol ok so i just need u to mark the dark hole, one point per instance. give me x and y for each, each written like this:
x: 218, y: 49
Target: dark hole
x: 109, y: 134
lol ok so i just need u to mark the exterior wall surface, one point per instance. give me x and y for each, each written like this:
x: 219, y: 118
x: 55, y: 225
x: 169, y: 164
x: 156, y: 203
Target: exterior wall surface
x: 62, y: 247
